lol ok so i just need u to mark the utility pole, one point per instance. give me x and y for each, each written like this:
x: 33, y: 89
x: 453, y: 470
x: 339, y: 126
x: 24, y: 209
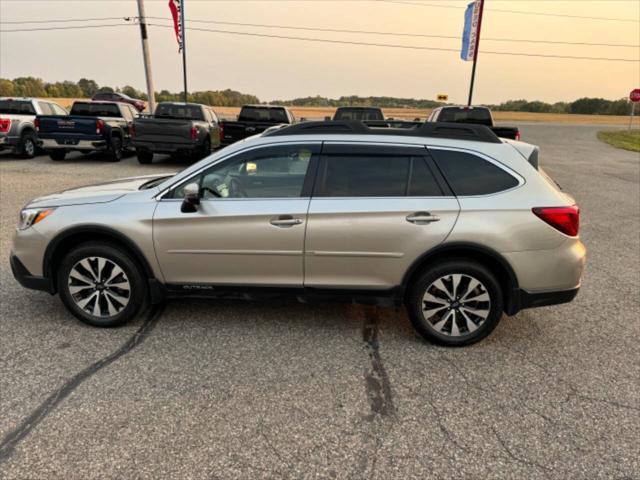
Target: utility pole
x: 145, y: 56
x: 184, y: 49
x: 475, y: 53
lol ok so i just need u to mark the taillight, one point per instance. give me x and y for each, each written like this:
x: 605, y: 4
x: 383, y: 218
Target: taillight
x: 194, y: 133
x: 564, y: 219
x: 518, y: 135
x: 221, y: 125
x: 5, y: 125
x: 99, y: 126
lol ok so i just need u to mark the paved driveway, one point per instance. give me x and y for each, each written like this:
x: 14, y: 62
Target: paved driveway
x: 213, y: 389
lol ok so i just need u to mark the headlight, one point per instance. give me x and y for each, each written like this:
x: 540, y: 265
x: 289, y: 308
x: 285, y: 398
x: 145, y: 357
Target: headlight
x: 31, y: 216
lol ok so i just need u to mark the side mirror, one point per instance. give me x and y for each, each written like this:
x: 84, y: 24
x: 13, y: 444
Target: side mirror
x: 191, y: 198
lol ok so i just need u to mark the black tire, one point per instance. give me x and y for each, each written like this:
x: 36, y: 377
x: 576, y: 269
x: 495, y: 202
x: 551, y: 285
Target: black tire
x: 57, y: 155
x: 137, y: 293
x: 144, y: 156
x: 467, y: 334
x: 205, y: 149
x: 114, y: 154
x: 28, y: 146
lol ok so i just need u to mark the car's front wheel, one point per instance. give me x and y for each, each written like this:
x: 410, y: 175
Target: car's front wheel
x: 456, y: 302
x: 57, y: 155
x: 101, y: 285
x: 144, y: 156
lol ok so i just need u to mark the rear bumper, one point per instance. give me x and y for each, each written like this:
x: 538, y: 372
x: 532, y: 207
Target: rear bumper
x: 24, y: 277
x: 165, y: 147
x: 7, y: 142
x: 522, y: 299
x: 51, y: 144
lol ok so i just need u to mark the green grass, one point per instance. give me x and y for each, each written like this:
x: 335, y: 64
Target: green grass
x: 627, y: 139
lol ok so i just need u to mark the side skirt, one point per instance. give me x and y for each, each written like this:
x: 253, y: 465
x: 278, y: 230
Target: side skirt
x: 384, y: 298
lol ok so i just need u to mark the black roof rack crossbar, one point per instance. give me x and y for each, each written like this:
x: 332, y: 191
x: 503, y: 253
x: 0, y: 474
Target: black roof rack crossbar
x: 477, y: 133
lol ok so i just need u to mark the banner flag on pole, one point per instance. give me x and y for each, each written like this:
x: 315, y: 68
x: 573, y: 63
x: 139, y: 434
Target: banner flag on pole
x: 176, y: 9
x: 470, y: 31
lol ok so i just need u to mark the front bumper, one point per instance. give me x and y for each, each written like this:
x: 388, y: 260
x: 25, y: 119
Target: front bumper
x: 51, y: 144
x: 24, y: 277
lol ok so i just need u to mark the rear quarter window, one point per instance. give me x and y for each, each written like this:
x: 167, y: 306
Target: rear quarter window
x: 468, y: 174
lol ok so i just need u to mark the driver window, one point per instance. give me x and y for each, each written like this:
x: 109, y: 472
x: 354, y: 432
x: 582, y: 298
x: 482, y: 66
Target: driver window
x: 272, y: 172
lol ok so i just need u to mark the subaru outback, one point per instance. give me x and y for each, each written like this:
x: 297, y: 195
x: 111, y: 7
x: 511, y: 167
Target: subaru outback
x: 450, y: 220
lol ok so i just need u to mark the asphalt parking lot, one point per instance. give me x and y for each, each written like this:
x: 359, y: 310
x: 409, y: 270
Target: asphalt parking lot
x: 221, y: 389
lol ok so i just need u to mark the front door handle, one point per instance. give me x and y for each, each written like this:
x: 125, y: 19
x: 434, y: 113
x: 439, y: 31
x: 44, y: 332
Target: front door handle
x: 422, y: 218
x: 284, y: 221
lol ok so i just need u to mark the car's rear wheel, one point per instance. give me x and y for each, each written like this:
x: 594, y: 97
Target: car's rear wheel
x: 57, y: 155
x: 144, y: 156
x: 101, y: 285
x: 114, y: 153
x: 455, y: 303
x: 28, y: 147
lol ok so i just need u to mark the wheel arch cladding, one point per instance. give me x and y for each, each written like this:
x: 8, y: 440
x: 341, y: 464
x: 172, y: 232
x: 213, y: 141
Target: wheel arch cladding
x: 492, y: 260
x: 65, y: 241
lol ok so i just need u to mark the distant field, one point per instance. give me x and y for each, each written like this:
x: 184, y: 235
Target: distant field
x: 318, y: 113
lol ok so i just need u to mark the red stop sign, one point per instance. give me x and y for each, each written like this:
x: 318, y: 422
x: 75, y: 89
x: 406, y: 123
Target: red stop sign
x: 634, y: 96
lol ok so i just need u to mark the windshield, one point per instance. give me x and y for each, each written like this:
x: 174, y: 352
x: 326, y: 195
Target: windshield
x: 263, y: 114
x: 186, y: 112
x: 465, y: 115
x: 95, y: 110
x: 359, y: 114
x: 17, y: 107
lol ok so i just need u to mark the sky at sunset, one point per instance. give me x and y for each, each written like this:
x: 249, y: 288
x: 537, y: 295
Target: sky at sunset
x: 276, y: 68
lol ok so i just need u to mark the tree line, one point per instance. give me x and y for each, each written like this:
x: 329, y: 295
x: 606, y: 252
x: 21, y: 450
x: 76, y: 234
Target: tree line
x: 86, y: 88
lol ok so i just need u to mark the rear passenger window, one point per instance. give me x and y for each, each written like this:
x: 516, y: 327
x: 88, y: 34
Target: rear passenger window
x: 45, y: 108
x: 469, y: 174
x: 377, y: 176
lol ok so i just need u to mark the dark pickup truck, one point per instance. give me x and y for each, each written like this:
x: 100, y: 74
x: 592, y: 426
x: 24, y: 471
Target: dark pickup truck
x: 89, y: 127
x: 254, y: 119
x: 373, y: 114
x: 176, y: 128
x: 477, y: 115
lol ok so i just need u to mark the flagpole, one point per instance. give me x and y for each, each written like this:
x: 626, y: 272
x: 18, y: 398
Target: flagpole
x: 475, y: 53
x: 184, y: 49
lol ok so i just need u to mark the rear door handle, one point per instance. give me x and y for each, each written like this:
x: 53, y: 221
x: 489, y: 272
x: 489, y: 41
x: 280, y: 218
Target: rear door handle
x: 284, y: 221
x: 422, y: 218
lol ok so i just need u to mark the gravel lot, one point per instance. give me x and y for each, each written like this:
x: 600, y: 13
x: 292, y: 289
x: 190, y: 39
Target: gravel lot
x: 286, y: 390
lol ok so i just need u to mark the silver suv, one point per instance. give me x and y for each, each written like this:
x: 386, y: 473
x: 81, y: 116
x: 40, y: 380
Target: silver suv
x: 456, y: 223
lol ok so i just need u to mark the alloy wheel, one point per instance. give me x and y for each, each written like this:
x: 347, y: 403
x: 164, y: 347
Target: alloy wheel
x: 99, y: 287
x: 456, y: 304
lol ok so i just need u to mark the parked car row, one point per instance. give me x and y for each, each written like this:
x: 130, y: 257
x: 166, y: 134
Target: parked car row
x: 112, y: 123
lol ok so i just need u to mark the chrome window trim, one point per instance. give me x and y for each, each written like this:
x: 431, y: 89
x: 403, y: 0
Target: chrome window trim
x: 160, y: 196
x: 521, y: 180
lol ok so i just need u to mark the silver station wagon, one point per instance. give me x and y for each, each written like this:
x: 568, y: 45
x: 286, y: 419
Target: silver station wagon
x: 459, y: 225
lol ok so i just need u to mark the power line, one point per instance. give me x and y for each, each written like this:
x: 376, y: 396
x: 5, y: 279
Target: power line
x: 335, y: 30
x: 403, y: 34
x: 323, y: 40
x: 389, y: 45
x: 561, y: 15
x: 62, y: 20
x: 74, y: 27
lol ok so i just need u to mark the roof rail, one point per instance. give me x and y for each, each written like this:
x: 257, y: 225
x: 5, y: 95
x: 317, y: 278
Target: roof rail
x: 477, y: 133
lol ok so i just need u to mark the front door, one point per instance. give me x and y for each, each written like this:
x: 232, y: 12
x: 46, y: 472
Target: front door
x: 249, y: 227
x: 374, y: 211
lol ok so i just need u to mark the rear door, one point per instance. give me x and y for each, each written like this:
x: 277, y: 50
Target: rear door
x: 249, y: 227
x: 374, y: 211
